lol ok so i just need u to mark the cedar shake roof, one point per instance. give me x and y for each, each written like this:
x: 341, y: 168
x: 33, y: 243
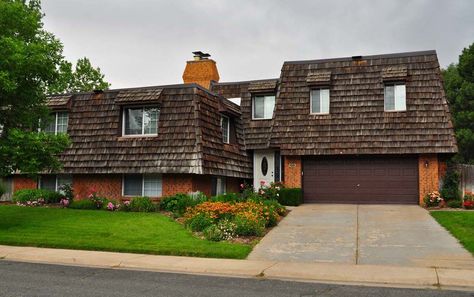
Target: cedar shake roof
x: 58, y: 101
x: 257, y: 132
x: 357, y: 122
x: 189, y: 134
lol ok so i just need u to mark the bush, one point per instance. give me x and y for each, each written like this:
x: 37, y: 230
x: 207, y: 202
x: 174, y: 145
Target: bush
x: 83, y: 204
x: 38, y: 195
x: 468, y: 202
x: 228, y: 197
x: 291, y: 196
x: 3, y: 188
x: 272, y: 210
x: 249, y: 225
x: 433, y: 199
x: 178, y: 203
x: 199, y: 222
x: 68, y: 191
x: 454, y: 203
x: 141, y: 204
x: 213, y: 233
x: 450, y: 189
x: 111, y: 205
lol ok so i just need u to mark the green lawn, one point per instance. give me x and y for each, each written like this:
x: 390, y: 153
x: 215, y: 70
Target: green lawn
x: 151, y: 233
x: 460, y: 224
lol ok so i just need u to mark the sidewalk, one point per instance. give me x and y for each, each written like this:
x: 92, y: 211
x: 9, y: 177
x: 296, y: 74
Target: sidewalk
x: 316, y: 272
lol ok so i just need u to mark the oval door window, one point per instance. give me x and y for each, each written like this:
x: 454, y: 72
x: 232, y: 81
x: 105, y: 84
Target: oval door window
x: 264, y: 166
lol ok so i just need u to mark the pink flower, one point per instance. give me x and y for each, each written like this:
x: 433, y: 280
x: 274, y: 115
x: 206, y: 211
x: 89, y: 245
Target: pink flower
x: 262, y: 182
x: 126, y: 203
x: 110, y: 206
x: 241, y: 186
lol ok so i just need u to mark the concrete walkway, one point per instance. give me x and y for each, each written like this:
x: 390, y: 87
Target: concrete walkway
x: 396, y: 276
x: 401, y: 235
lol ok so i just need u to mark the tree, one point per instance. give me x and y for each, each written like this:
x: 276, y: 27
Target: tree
x: 459, y: 86
x: 84, y: 78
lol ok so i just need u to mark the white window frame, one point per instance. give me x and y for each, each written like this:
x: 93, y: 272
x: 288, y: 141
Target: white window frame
x: 264, y: 97
x: 56, y: 113
x: 56, y: 179
x: 143, y: 134
x: 223, y: 182
x: 228, y: 129
x: 395, y: 85
x: 143, y: 185
x: 320, y: 101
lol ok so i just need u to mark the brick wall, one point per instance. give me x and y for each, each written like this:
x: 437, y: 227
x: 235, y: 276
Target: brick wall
x: 106, y: 185
x: 23, y: 182
x: 201, y: 72
x: 202, y: 183
x: 428, y: 171
x: 177, y: 183
x: 292, y: 171
x: 232, y: 185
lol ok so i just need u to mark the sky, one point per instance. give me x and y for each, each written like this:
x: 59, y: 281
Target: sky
x: 147, y: 42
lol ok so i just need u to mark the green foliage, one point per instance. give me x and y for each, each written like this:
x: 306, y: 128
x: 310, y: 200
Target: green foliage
x: 23, y: 196
x: 455, y: 203
x: 178, y: 203
x: 450, y: 189
x: 291, y: 196
x: 248, y: 227
x: 228, y: 197
x: 199, y: 222
x: 68, y: 191
x: 3, y: 188
x: 84, y: 78
x: 213, y: 233
x: 274, y: 209
x: 459, y: 86
x: 83, y: 204
x: 142, y: 204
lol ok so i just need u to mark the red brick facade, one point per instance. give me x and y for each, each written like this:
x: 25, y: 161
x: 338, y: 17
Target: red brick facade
x: 109, y: 185
x: 428, y: 174
x: 23, y: 182
x: 292, y: 171
x: 177, y: 183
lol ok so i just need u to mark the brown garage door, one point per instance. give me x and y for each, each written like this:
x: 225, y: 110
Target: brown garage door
x: 360, y: 180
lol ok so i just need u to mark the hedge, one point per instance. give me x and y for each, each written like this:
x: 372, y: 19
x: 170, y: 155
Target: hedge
x: 291, y: 196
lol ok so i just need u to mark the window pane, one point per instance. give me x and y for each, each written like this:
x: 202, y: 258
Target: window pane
x: 51, y: 128
x: 132, y: 185
x: 63, y: 119
x: 48, y: 182
x: 389, y: 98
x: 315, y: 101
x: 225, y: 129
x: 153, y: 186
x: 400, y: 97
x: 133, y: 121
x: 269, y: 106
x: 64, y: 179
x: 150, y: 120
x: 220, y: 185
x: 258, y: 107
x: 324, y: 93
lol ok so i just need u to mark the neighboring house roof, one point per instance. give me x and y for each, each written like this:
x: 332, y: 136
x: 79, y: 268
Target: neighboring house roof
x: 357, y: 122
x: 257, y: 132
x: 189, y: 134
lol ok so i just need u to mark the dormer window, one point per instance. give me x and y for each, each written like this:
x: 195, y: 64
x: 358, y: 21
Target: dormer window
x: 140, y: 121
x: 225, y: 124
x: 58, y: 124
x: 395, y: 97
x: 320, y: 101
x: 263, y: 106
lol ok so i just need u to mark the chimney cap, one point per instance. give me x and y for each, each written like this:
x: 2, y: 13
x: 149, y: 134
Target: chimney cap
x: 198, y: 55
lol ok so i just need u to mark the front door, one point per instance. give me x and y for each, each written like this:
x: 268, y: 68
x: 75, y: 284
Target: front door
x: 263, y: 168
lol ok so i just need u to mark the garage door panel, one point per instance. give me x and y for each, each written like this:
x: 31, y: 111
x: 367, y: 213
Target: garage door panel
x: 361, y: 180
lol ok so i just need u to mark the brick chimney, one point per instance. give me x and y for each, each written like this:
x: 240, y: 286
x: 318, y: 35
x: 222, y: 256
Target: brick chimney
x: 201, y: 70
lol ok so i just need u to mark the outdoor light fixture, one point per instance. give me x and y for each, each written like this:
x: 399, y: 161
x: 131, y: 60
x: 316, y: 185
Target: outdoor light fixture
x: 427, y: 164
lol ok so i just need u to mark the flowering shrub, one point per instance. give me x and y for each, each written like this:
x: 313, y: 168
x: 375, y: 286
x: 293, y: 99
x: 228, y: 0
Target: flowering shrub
x: 249, y: 224
x: 32, y: 203
x: 39, y: 196
x: 98, y: 201
x: 112, y: 206
x: 64, y: 202
x: 468, y: 201
x: 433, y: 199
x: 178, y: 203
x: 199, y: 222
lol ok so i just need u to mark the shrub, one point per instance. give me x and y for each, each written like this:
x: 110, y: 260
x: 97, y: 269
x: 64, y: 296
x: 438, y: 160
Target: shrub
x: 271, y: 192
x: 111, y: 205
x: 272, y: 210
x: 450, y: 189
x: 228, y: 197
x: 433, y: 199
x: 454, y: 203
x: 468, y: 202
x: 199, y: 222
x: 83, y: 204
x: 3, y: 188
x: 38, y: 195
x: 249, y: 224
x: 291, y: 196
x: 178, y: 203
x: 68, y: 191
x: 141, y: 204
x: 213, y: 233
x: 228, y: 229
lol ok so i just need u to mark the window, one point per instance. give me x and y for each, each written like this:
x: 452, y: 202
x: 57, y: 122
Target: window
x: 140, y: 121
x: 58, y: 123
x: 395, y: 97
x: 142, y: 185
x: 263, y: 107
x: 54, y: 182
x: 320, y: 101
x: 225, y: 124
x: 220, y: 185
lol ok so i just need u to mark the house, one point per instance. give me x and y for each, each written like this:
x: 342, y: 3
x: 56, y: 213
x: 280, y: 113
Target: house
x: 362, y: 129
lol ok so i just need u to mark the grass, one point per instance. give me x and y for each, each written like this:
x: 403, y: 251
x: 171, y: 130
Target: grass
x: 150, y: 233
x: 460, y: 224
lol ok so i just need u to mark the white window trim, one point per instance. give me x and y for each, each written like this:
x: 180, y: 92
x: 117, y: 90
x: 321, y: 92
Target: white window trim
x: 143, y: 124
x: 143, y: 185
x: 394, y: 97
x: 56, y: 185
x: 320, y: 102
x: 228, y: 129
x: 253, y: 108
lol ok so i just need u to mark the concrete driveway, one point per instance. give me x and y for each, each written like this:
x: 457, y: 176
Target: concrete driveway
x: 403, y: 235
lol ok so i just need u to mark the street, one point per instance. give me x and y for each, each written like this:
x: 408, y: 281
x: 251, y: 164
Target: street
x: 26, y: 279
